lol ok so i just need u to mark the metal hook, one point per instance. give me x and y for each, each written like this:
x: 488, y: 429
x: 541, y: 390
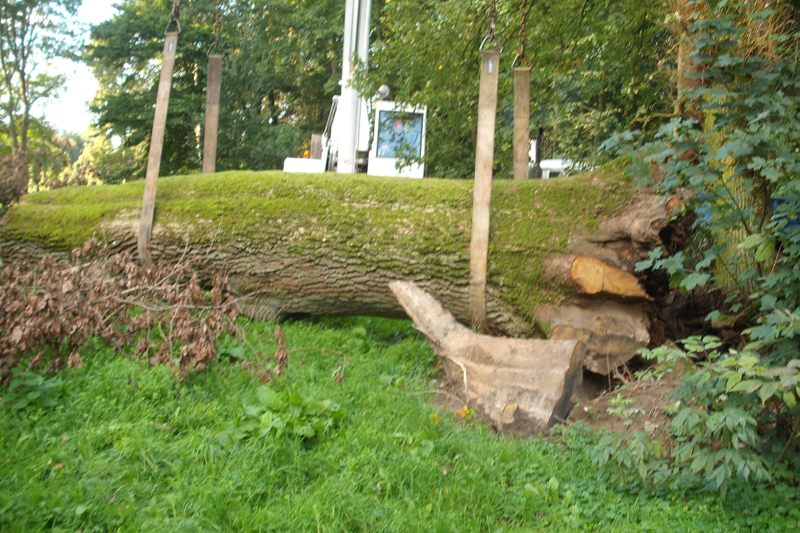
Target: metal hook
x: 177, y: 26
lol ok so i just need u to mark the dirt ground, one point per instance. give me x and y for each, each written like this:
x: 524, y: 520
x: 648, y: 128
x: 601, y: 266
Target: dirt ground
x: 634, y: 406
x: 599, y: 402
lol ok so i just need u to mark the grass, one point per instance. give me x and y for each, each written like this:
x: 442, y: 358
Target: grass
x: 128, y: 448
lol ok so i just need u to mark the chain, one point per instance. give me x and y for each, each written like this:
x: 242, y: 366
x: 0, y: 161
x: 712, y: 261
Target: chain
x: 217, y: 25
x: 491, y: 34
x: 175, y: 16
x: 525, y: 9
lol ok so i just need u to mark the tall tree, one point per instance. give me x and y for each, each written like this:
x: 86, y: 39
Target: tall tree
x: 31, y: 33
x: 596, y: 68
x: 279, y: 76
x: 282, y: 72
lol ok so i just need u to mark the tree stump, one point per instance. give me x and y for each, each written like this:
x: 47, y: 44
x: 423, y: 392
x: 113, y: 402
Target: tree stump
x: 521, y: 386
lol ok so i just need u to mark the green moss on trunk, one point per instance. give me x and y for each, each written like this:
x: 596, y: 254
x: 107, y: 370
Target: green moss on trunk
x: 385, y: 222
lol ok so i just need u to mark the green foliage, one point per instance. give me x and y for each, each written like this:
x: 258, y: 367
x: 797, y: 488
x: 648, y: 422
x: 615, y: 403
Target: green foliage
x: 623, y: 408
x: 130, y: 448
x: 43, y: 163
x: 32, y: 32
x: 595, y: 70
x: 279, y: 75
x: 288, y: 413
x: 100, y: 162
x: 592, y: 74
x: 742, y: 166
x: 744, y: 179
x: 733, y: 417
x: 50, y: 155
x: 28, y: 389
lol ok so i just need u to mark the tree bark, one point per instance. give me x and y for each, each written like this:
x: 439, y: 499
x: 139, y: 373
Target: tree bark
x: 687, y: 74
x: 331, y: 245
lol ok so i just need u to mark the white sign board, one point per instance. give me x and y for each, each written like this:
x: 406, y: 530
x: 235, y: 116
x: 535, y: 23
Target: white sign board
x: 399, y: 134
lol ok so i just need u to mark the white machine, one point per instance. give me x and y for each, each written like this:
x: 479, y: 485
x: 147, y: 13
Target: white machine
x: 350, y: 128
x: 347, y: 131
x: 552, y: 168
x: 346, y: 141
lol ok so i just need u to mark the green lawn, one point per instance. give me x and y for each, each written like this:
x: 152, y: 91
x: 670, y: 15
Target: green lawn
x: 129, y: 448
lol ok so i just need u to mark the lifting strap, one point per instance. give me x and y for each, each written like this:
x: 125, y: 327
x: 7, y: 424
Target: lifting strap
x: 157, y: 136
x: 213, y: 90
x: 522, y: 103
x: 484, y: 163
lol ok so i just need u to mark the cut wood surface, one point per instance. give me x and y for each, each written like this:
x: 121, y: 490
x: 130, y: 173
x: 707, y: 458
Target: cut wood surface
x: 593, y: 276
x: 612, y: 331
x: 522, y: 386
x: 326, y: 245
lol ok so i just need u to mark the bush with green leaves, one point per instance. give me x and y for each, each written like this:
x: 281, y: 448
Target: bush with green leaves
x: 741, y: 164
x: 733, y: 417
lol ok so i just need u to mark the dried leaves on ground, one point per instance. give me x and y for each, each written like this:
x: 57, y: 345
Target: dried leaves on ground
x: 165, y: 313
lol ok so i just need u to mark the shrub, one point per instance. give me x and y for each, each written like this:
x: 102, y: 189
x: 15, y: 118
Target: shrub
x: 733, y: 417
x: 741, y: 162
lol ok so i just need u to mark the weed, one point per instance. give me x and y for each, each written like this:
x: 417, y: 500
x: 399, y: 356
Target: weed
x: 622, y: 407
x: 288, y: 413
x: 27, y: 389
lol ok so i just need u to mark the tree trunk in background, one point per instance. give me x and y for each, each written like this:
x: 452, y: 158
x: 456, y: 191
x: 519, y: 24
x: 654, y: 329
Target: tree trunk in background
x: 755, y: 40
x: 687, y: 71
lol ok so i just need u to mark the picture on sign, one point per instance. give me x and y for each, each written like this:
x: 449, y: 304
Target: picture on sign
x: 399, y: 134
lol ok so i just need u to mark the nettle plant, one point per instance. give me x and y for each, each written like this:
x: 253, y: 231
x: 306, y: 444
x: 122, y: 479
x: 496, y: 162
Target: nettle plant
x: 736, y: 413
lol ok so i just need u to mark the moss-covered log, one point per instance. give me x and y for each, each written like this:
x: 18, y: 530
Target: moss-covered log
x: 331, y: 244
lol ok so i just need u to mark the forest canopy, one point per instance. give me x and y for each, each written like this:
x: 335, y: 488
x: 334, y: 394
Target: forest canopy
x: 592, y: 75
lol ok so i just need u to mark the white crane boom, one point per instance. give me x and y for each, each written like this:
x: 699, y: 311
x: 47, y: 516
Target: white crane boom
x: 350, y: 133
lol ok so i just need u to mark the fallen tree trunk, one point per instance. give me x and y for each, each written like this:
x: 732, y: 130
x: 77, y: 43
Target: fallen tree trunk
x: 522, y: 386
x: 324, y: 245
